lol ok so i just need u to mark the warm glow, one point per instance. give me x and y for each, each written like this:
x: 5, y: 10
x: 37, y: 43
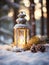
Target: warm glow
x: 10, y: 14
x: 37, y: 14
x: 26, y: 3
x: 38, y: 6
x: 44, y: 9
x: 27, y: 13
x: 44, y: 2
x: 27, y: 35
x: 45, y: 15
x: 36, y: 1
x: 21, y: 41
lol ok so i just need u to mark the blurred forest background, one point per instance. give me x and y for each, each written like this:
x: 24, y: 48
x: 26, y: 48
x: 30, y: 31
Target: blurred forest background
x: 36, y: 15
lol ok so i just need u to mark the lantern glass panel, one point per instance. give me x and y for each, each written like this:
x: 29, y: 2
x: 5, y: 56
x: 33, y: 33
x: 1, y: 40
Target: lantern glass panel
x: 22, y: 37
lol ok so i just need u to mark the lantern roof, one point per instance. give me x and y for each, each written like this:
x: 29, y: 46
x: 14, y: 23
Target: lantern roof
x: 21, y: 21
x: 21, y: 18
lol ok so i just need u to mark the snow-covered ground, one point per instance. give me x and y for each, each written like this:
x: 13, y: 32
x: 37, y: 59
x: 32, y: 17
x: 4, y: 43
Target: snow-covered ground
x: 23, y: 58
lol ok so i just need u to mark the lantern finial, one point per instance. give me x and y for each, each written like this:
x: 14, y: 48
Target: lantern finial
x: 22, y: 14
x: 21, y: 18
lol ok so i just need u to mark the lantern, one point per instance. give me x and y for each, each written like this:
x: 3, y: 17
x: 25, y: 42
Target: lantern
x: 21, y: 31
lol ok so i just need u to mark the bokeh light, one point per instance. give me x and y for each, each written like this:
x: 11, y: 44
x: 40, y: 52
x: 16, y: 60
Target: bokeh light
x: 27, y: 13
x: 26, y: 3
x: 36, y: 1
x: 38, y: 6
x: 44, y: 9
x: 45, y: 15
x: 37, y: 14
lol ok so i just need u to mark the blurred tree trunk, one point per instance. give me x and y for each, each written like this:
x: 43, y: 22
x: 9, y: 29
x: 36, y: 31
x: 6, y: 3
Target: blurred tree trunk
x: 32, y: 17
x: 42, y: 19
x: 47, y: 18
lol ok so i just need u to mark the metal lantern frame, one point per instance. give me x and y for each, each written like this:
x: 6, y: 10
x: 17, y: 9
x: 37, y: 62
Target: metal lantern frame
x: 21, y: 32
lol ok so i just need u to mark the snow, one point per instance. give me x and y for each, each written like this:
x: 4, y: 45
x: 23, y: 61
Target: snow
x: 23, y: 58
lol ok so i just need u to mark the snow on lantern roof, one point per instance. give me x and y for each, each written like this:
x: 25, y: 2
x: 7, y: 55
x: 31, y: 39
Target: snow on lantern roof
x: 21, y: 21
x: 21, y: 26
